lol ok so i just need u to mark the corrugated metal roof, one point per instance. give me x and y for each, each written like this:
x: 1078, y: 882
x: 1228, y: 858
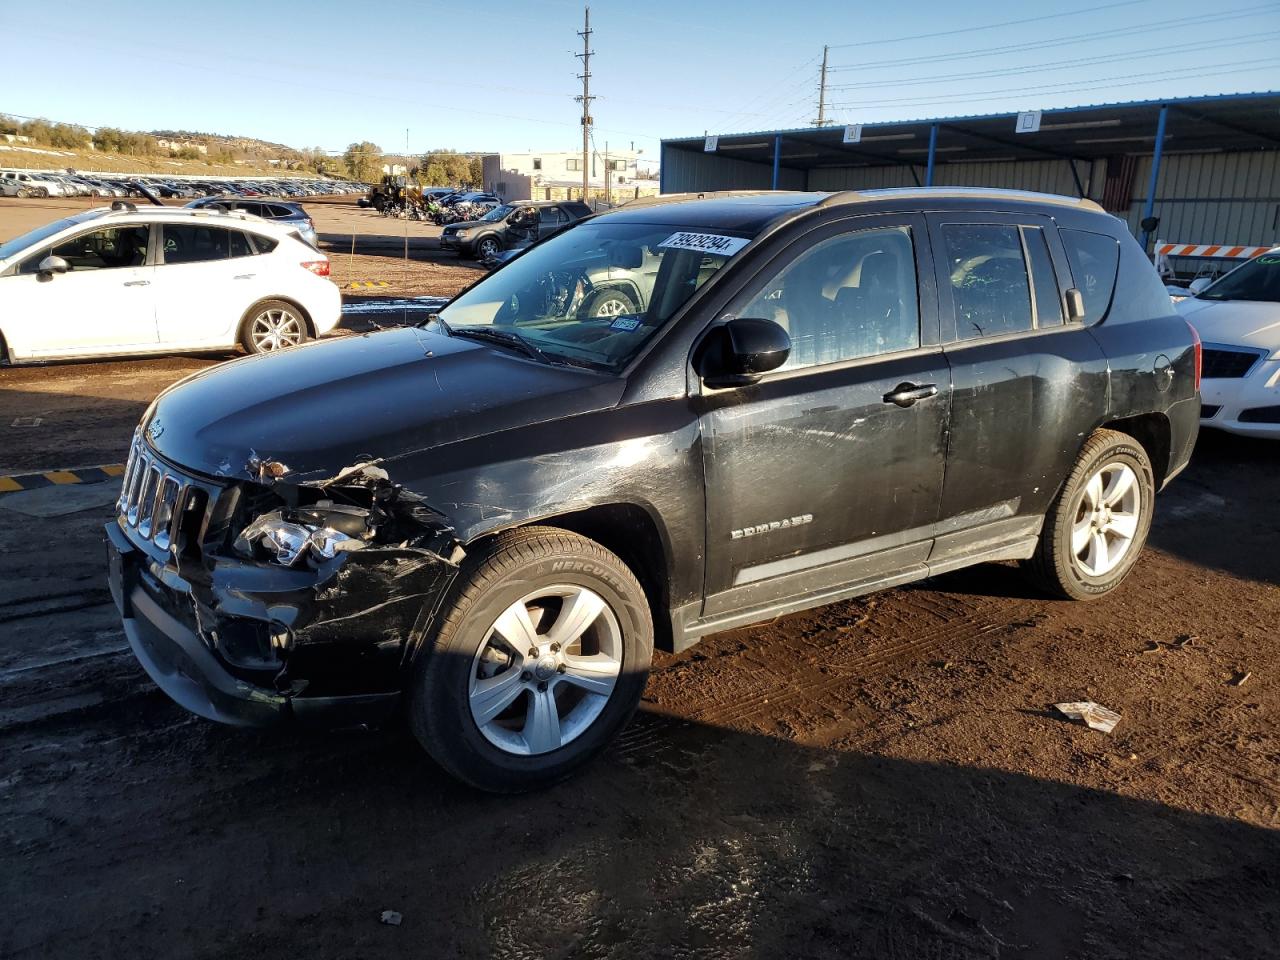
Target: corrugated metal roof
x: 1218, y: 123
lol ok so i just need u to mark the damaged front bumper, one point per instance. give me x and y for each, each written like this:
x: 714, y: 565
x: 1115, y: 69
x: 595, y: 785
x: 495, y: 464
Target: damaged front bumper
x: 253, y: 643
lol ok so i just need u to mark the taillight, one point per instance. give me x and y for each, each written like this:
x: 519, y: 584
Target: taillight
x: 1199, y: 349
x: 321, y: 269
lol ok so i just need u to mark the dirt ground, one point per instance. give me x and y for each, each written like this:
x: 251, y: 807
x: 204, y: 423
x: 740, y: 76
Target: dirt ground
x: 881, y: 778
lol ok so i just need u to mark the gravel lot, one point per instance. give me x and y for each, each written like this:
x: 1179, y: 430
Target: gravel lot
x: 881, y: 778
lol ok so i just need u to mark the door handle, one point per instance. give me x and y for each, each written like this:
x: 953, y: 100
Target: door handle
x: 137, y: 283
x: 906, y: 394
x: 243, y: 276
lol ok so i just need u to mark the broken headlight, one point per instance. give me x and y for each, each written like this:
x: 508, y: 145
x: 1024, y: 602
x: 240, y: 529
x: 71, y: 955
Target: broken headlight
x: 315, y: 533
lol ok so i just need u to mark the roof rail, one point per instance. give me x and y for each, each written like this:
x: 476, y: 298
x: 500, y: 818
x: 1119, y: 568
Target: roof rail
x: 959, y: 193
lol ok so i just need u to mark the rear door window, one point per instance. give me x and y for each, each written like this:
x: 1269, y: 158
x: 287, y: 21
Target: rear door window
x: 990, y: 289
x: 1044, y: 282
x: 1094, y: 258
x: 194, y: 243
x: 240, y: 245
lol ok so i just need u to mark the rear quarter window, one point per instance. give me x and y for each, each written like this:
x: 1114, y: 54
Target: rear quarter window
x: 262, y: 244
x: 1094, y: 259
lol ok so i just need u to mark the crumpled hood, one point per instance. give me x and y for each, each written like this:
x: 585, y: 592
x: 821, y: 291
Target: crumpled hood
x: 1241, y: 322
x: 327, y: 405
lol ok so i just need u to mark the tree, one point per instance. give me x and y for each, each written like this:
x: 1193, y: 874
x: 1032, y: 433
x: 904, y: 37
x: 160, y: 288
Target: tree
x: 448, y: 168
x: 363, y: 161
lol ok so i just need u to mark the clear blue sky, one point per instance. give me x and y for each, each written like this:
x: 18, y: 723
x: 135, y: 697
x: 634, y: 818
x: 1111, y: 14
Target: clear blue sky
x: 501, y: 75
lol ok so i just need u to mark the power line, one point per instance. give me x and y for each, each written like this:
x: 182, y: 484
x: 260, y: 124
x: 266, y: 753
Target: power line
x: 1100, y: 83
x: 1052, y: 64
x: 776, y: 94
x: 989, y: 26
x: 1059, y: 41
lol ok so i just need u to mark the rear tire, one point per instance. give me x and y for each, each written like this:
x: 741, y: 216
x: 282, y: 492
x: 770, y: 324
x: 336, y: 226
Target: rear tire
x: 1097, y: 526
x: 513, y: 713
x: 42, y: 192
x: 272, y: 325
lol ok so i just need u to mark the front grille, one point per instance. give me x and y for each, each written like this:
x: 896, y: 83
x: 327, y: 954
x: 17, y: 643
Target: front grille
x: 158, y: 503
x: 1261, y: 415
x: 1220, y: 363
x: 1209, y: 410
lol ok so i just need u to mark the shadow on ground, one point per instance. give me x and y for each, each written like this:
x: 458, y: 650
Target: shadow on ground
x: 684, y: 840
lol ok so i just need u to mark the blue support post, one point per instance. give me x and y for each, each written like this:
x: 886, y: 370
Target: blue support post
x: 777, y: 159
x: 662, y: 169
x: 933, y: 148
x: 1149, y: 208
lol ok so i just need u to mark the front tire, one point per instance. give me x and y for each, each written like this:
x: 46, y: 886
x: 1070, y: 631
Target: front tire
x: 1097, y: 526
x: 42, y: 192
x: 272, y: 325
x: 540, y: 659
x: 488, y: 247
x: 609, y: 303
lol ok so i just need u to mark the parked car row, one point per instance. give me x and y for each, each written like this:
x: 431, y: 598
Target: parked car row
x: 18, y: 183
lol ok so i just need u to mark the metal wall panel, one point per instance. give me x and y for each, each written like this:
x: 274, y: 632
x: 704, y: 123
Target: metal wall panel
x: 1231, y: 198
x: 684, y: 171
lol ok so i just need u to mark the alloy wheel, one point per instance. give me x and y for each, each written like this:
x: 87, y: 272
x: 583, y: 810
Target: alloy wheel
x: 1106, y: 519
x: 275, y: 329
x: 546, y: 670
x: 611, y: 307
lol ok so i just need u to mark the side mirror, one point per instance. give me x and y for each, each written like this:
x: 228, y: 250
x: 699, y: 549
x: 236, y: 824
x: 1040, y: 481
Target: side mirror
x: 51, y: 265
x: 1199, y: 283
x: 739, y: 352
x: 1075, y: 305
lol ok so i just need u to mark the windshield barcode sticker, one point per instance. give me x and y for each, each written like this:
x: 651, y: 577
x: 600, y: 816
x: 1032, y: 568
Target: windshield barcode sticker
x: 705, y: 243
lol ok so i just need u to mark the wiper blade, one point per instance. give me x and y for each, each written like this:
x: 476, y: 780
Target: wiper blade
x: 508, y: 338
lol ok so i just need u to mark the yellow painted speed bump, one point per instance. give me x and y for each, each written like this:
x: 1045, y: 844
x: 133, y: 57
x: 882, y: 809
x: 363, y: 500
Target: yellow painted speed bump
x: 59, y: 478
x: 366, y: 284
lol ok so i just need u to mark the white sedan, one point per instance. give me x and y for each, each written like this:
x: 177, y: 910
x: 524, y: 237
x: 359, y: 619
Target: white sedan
x: 122, y: 280
x: 1238, y: 318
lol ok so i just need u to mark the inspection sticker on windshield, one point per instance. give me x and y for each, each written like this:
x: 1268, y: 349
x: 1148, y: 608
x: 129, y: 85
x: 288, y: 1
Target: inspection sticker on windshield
x: 625, y: 323
x: 705, y: 243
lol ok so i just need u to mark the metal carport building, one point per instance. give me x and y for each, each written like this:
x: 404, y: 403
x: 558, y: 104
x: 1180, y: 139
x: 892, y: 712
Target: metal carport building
x: 1208, y: 167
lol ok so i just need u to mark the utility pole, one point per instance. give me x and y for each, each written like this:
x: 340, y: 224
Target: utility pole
x: 822, y: 93
x: 586, y: 98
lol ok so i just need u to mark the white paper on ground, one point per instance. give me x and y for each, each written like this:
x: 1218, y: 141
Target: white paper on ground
x: 1095, y: 715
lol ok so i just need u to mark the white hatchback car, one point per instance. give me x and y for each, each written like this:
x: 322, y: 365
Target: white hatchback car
x: 1238, y: 319
x: 123, y: 280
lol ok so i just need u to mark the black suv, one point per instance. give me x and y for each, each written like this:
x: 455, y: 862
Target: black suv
x: 511, y: 226
x: 493, y: 518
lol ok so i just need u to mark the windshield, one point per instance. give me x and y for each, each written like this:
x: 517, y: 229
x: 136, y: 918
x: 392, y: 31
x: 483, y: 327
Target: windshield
x: 11, y: 247
x: 594, y: 294
x: 498, y: 213
x: 1259, y: 279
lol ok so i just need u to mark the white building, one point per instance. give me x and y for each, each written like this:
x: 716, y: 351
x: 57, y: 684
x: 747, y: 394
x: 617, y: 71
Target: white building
x: 173, y: 146
x: 557, y: 175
